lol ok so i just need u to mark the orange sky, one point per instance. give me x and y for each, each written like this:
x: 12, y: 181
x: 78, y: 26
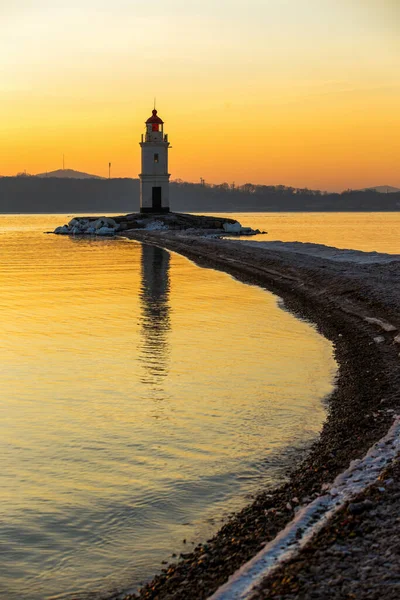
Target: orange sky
x: 299, y: 92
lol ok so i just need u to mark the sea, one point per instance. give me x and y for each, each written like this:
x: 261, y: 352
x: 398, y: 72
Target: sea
x: 368, y: 232
x: 144, y: 399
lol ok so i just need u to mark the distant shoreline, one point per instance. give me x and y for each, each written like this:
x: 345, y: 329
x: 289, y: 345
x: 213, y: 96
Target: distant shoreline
x: 205, y: 212
x: 315, y: 289
x: 54, y: 195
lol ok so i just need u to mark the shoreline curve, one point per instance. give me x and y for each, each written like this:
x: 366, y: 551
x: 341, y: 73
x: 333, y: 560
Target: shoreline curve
x: 357, y: 307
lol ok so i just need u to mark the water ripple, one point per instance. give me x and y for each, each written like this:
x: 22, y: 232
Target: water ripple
x: 142, y: 397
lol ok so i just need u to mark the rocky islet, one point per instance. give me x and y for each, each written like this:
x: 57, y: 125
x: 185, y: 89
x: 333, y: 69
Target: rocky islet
x: 119, y: 225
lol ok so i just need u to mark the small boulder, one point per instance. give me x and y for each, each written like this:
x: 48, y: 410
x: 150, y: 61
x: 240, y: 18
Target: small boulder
x: 105, y: 222
x: 356, y: 508
x: 246, y: 231
x: 64, y: 230
x: 98, y: 224
x: 109, y: 222
x: 76, y: 230
x: 105, y: 231
x: 232, y: 227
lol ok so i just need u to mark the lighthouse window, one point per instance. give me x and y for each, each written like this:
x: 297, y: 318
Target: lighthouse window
x: 155, y: 127
x: 156, y: 158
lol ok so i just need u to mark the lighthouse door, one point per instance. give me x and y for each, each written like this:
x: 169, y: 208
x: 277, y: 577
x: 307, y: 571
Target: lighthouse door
x: 156, y: 198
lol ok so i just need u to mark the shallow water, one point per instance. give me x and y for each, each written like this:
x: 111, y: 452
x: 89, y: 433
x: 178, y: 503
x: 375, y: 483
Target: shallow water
x: 142, y: 398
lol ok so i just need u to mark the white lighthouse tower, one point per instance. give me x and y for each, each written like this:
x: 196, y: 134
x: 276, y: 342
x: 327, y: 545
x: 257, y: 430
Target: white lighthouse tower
x: 154, y: 178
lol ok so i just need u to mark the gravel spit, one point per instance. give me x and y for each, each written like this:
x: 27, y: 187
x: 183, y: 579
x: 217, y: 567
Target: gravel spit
x: 357, y: 555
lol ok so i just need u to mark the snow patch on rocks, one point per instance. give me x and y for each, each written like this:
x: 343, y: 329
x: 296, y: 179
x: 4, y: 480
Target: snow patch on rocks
x: 156, y: 226
x: 237, y: 229
x: 232, y: 227
x: 104, y: 226
x: 327, y: 252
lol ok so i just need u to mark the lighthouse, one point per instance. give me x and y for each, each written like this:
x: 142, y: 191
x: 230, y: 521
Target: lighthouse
x: 154, y: 178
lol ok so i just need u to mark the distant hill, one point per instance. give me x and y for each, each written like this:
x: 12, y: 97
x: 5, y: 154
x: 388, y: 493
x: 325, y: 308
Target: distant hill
x: 382, y: 189
x: 68, y: 174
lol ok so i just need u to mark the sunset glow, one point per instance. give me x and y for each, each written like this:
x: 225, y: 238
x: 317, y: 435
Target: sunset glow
x: 298, y: 92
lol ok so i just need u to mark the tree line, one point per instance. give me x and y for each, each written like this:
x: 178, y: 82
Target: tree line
x: 26, y: 193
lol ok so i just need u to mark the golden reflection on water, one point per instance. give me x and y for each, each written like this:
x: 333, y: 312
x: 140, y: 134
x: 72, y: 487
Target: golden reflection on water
x: 154, y: 298
x: 369, y: 232
x: 141, y: 398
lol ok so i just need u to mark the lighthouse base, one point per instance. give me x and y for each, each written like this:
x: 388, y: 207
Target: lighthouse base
x: 155, y: 211
x: 154, y: 194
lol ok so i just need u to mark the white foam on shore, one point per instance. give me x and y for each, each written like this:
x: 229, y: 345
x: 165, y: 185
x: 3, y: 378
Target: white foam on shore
x: 311, y: 518
x: 327, y: 252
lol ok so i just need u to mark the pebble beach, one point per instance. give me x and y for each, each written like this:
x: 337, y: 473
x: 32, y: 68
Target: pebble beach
x: 356, y: 304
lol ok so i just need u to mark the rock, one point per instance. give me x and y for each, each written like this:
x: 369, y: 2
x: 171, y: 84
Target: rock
x: 111, y: 223
x: 105, y: 231
x: 64, y: 230
x: 78, y: 226
x: 105, y: 222
x: 232, y: 227
x: 356, y: 508
x: 98, y: 224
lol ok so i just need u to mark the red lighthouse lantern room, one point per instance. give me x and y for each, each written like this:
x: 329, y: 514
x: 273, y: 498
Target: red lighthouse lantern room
x: 155, y: 122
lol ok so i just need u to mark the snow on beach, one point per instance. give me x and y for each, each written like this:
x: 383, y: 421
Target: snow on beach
x: 312, y: 517
x: 326, y: 252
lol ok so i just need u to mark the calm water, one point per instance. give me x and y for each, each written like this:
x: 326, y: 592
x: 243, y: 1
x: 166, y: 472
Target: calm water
x: 377, y: 232
x: 141, y: 399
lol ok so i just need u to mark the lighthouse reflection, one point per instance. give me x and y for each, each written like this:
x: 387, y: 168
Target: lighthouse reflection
x: 155, y: 321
